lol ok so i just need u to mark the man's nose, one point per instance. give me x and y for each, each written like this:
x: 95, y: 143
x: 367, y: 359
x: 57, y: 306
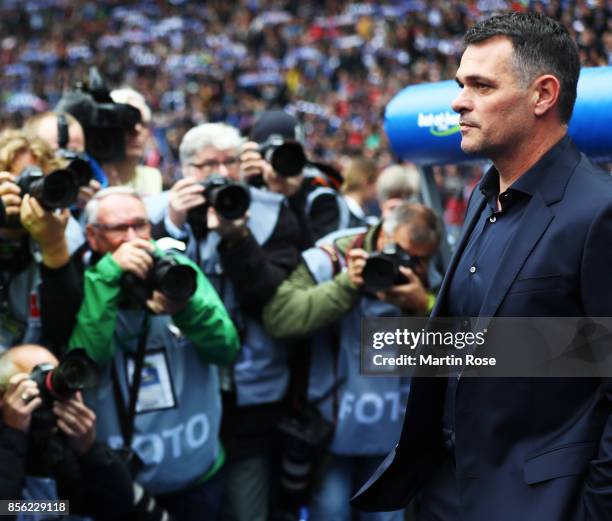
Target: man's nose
x: 131, y: 234
x: 222, y: 169
x: 461, y: 103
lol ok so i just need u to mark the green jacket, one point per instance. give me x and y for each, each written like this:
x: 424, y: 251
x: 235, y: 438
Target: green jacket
x: 300, y: 306
x: 204, y: 321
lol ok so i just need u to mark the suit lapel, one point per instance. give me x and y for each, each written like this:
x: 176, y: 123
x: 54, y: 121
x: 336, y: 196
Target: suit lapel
x: 534, y: 222
x: 474, y: 210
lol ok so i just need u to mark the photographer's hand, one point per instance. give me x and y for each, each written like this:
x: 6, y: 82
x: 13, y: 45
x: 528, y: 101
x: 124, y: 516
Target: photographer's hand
x: 76, y: 421
x: 47, y: 229
x: 230, y: 231
x: 10, y: 194
x: 20, y: 400
x: 162, y: 305
x: 356, y: 262
x: 133, y: 256
x: 87, y: 192
x: 186, y: 194
x: 411, y: 296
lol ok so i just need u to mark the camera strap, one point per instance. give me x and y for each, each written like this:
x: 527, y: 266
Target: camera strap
x: 127, y: 414
x: 62, y: 130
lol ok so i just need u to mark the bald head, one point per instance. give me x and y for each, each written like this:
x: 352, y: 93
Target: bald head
x: 26, y: 357
x: 22, y: 359
x: 45, y: 126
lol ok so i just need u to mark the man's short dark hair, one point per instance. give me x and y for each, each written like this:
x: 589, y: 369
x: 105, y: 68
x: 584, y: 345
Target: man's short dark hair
x: 541, y: 46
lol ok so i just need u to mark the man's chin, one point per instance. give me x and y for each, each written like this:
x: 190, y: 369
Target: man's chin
x: 468, y: 147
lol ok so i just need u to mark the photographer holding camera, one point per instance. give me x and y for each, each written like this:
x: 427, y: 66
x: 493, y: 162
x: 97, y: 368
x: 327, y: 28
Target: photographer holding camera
x: 36, y: 232
x: 129, y: 171
x: 65, y: 135
x: 155, y: 324
x: 244, y: 239
x: 56, y: 458
x: 275, y: 157
x: 355, y: 273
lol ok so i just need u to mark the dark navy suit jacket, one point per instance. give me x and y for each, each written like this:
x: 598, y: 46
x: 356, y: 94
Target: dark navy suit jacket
x: 525, y: 448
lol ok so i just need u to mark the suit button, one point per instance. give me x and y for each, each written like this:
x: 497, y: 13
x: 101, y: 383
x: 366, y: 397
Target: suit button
x: 473, y: 269
x: 492, y: 219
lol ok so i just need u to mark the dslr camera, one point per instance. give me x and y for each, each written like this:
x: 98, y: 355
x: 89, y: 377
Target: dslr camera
x: 59, y: 189
x: 56, y: 190
x: 78, y: 165
x: 381, y: 270
x: 104, y: 121
x: 286, y: 156
x: 175, y: 280
x: 75, y: 372
x: 230, y: 199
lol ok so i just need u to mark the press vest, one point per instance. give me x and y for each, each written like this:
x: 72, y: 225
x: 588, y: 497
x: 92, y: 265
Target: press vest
x: 260, y: 373
x: 177, y: 438
x: 368, y: 411
x: 22, y: 322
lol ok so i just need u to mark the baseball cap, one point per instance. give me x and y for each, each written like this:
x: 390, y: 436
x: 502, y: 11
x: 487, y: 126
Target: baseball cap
x: 276, y: 122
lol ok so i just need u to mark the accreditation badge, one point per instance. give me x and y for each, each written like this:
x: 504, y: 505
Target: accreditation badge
x: 156, y: 391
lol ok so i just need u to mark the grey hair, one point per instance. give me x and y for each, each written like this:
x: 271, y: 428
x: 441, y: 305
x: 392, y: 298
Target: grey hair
x: 426, y: 226
x: 93, y: 206
x: 401, y: 181
x: 128, y: 94
x: 7, y: 370
x: 216, y: 135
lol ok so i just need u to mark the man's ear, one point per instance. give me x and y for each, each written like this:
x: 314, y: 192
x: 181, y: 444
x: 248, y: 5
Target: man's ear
x: 546, y: 94
x: 90, y: 233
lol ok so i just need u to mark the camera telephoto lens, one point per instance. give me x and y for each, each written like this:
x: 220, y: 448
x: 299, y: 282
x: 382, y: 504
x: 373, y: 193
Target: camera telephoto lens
x: 53, y: 191
x: 176, y: 281
x: 379, y: 274
x: 288, y: 159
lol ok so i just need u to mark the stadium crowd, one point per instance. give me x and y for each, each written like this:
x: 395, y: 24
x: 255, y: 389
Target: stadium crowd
x: 206, y: 280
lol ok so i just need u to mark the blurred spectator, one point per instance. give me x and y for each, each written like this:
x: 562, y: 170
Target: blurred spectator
x: 359, y: 189
x: 395, y: 184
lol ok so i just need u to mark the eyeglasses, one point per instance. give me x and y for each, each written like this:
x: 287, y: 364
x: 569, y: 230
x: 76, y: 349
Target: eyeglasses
x: 120, y: 229
x: 215, y: 163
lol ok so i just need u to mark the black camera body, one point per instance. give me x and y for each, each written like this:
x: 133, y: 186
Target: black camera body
x: 104, y: 121
x: 78, y: 165
x: 76, y: 372
x: 56, y: 190
x: 175, y: 280
x: 230, y: 199
x: 381, y: 270
x: 286, y: 156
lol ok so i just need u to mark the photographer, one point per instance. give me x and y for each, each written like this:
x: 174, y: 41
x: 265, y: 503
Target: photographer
x: 311, y: 193
x: 32, y: 238
x: 327, y: 295
x: 64, y: 463
x: 246, y: 259
x: 129, y: 171
x: 65, y: 135
x: 166, y: 417
x: 116, y: 132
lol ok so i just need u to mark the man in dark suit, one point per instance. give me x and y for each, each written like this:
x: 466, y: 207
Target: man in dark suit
x: 537, y: 242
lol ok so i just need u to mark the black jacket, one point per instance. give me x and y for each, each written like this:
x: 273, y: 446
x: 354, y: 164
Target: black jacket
x: 97, y: 484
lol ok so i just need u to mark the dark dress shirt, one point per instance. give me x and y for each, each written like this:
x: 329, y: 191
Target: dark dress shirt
x: 486, y: 245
